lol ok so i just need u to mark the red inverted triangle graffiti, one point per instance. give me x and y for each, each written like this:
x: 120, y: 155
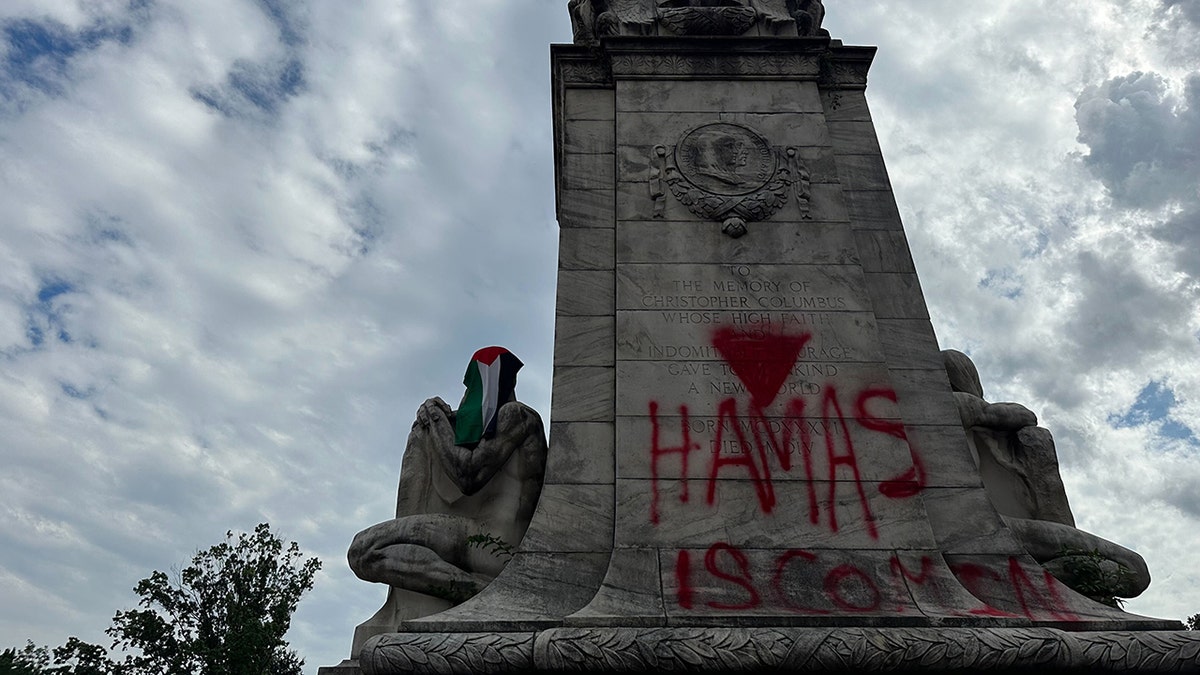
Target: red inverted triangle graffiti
x: 762, y: 361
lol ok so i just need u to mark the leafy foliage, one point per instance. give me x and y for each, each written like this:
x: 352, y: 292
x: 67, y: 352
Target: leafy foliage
x: 1193, y: 623
x: 1091, y: 575
x: 492, y: 544
x: 31, y: 660
x: 226, y: 614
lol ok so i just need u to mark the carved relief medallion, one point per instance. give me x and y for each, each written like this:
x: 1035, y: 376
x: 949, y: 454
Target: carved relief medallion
x: 725, y: 159
x: 731, y: 173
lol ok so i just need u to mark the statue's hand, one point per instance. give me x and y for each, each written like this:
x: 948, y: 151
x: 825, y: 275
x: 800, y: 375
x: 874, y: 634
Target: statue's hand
x: 433, y: 413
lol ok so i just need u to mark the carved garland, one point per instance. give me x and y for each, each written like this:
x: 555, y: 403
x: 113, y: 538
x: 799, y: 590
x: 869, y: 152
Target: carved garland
x: 814, y: 650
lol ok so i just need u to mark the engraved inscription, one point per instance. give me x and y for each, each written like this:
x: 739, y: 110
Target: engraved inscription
x: 791, y: 291
x: 687, y: 334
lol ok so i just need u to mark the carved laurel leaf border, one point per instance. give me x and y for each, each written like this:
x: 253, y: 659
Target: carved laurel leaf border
x: 661, y: 649
x: 448, y: 653
x: 813, y: 650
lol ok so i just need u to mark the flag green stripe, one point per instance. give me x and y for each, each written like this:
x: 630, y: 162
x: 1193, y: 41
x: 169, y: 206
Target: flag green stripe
x: 468, y: 424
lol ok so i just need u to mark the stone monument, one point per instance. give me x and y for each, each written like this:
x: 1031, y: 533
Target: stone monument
x: 759, y: 458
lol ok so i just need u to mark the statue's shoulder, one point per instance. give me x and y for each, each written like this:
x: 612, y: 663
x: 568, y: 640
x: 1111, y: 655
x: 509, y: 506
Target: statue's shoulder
x: 515, y: 411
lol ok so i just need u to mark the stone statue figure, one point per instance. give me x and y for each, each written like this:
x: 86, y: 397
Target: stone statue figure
x: 583, y: 20
x: 776, y: 17
x: 809, y: 15
x: 469, y: 483
x: 1019, y: 467
x: 595, y: 19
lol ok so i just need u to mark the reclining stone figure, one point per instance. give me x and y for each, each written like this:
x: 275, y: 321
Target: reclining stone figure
x: 1019, y: 467
x: 469, y: 483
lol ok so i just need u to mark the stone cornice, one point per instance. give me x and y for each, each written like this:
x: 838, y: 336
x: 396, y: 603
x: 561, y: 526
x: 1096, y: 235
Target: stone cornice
x: 819, y: 59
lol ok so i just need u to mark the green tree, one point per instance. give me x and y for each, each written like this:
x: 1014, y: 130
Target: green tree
x: 31, y: 660
x: 1193, y: 623
x: 225, y: 614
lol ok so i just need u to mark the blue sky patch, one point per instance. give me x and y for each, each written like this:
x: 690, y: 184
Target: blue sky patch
x: 44, y: 318
x: 1003, y: 282
x: 76, y: 393
x: 254, y: 88
x: 40, y: 51
x: 284, y: 16
x: 1153, y: 406
x: 52, y: 290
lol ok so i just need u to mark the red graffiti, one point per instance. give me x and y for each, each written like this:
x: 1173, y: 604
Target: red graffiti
x: 1053, y: 604
x: 974, y: 578
x: 901, y: 572
x: 913, y: 481
x: 657, y: 452
x: 835, y: 583
x: 764, y: 437
x: 683, y: 579
x: 985, y: 583
x: 777, y: 581
x: 742, y: 579
x: 762, y: 361
x: 727, y: 417
x: 844, y: 587
x: 847, y: 459
x: 755, y: 464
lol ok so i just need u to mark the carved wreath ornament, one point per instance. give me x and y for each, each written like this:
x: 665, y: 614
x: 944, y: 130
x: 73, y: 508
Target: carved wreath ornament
x: 729, y: 173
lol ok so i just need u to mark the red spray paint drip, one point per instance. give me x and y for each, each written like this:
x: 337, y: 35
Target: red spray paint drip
x: 761, y: 361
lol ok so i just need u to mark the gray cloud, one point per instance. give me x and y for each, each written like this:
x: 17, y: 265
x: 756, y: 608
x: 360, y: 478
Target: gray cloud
x: 1113, y: 291
x: 1142, y: 138
x: 1182, y: 233
x: 1188, y: 8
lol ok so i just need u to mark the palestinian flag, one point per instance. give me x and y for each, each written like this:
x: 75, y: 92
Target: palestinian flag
x: 491, y: 379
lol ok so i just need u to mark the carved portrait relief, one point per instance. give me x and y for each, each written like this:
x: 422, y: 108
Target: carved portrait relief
x: 730, y: 173
x: 725, y: 159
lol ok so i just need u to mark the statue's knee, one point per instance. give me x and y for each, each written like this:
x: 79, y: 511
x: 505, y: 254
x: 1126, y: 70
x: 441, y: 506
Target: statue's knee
x: 362, y: 550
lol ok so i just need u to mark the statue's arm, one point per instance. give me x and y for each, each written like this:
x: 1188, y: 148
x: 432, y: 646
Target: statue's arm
x: 428, y: 436
x: 472, y: 468
x: 976, y: 412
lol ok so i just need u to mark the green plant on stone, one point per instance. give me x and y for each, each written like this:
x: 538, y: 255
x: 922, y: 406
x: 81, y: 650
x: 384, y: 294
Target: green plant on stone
x: 1091, y: 574
x: 492, y: 544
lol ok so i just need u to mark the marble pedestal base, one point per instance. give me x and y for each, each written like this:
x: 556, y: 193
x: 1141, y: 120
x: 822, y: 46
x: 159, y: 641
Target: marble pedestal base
x: 790, y: 650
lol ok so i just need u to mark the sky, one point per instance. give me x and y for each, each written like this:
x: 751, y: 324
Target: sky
x: 242, y: 240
